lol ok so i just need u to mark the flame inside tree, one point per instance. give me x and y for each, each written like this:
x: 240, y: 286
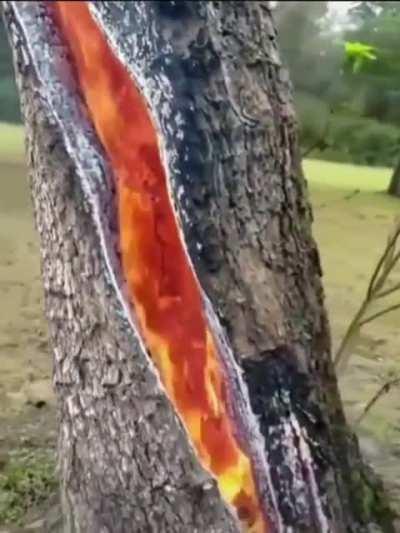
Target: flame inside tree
x: 161, y: 282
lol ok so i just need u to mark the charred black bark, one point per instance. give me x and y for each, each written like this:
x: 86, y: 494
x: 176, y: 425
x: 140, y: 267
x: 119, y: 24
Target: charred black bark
x: 282, y: 398
x: 211, y: 75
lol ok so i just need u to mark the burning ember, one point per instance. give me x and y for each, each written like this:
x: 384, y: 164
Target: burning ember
x: 162, y: 285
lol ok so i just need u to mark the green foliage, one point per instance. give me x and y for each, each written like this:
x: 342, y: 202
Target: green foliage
x: 9, y: 104
x: 348, y: 137
x: 27, y: 480
x: 358, y: 54
x: 377, y: 81
x: 312, y: 113
x: 369, y: 499
x: 309, y: 55
x: 349, y: 79
x: 367, y: 141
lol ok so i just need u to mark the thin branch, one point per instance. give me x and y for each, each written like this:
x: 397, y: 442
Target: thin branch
x: 388, y: 291
x: 384, y: 389
x: 378, y: 267
x: 340, y: 357
x: 320, y: 139
x: 311, y: 148
x: 383, y: 268
x: 380, y: 313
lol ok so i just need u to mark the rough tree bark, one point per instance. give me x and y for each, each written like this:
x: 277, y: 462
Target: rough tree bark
x: 211, y: 74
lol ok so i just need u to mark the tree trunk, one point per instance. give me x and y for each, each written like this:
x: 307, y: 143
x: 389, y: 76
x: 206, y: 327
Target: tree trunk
x: 221, y: 104
x: 394, y: 186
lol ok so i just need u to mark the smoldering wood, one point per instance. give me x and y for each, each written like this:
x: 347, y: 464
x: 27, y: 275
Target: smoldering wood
x: 124, y: 457
x: 212, y: 77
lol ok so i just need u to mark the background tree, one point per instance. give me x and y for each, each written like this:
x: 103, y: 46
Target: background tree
x: 9, y: 106
x: 213, y: 81
x: 376, y: 85
x: 361, y: 106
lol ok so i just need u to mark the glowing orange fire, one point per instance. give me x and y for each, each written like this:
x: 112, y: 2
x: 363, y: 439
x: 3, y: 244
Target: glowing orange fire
x: 161, y: 283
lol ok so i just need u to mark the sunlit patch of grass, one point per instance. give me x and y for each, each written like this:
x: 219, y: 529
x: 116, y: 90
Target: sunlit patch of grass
x: 11, y: 143
x: 351, y: 229
x: 345, y: 176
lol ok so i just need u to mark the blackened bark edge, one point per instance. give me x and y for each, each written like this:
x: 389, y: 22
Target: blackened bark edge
x: 125, y: 460
x: 231, y: 150
x: 212, y: 76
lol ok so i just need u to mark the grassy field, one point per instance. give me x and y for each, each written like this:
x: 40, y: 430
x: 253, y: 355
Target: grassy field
x: 352, y: 223
x: 351, y: 229
x: 352, y: 220
x: 11, y: 143
x: 346, y: 177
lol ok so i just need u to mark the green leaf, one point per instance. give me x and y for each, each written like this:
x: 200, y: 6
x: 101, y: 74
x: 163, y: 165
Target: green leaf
x: 359, y: 53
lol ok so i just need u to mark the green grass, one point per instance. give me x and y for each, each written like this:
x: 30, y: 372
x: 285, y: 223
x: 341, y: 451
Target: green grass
x: 11, y: 143
x: 346, y: 177
x: 27, y: 479
x: 351, y: 230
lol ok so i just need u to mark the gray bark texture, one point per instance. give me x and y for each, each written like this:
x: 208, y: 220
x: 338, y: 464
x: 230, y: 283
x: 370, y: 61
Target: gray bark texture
x: 211, y: 74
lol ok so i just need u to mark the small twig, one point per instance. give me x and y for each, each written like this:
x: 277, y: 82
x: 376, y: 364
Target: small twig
x: 378, y: 314
x: 320, y: 139
x: 378, y: 267
x: 383, y: 268
x: 352, y: 194
x: 388, y: 291
x: 311, y: 148
x: 384, y: 389
x: 341, y: 358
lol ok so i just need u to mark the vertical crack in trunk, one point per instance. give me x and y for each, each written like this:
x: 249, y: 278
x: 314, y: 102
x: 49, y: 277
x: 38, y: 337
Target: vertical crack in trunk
x: 259, y: 428
x: 161, y: 283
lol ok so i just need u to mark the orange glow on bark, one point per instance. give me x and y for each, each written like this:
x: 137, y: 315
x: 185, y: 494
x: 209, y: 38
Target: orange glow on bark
x: 161, y: 283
